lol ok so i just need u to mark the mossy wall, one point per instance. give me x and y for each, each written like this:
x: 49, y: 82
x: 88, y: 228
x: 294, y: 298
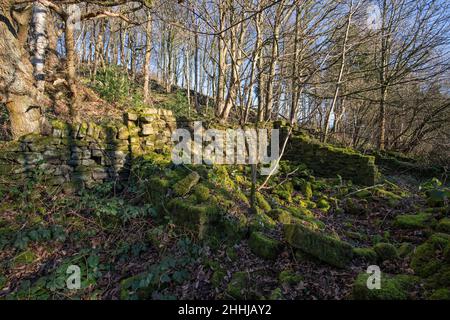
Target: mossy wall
x: 329, y: 161
x: 87, y: 153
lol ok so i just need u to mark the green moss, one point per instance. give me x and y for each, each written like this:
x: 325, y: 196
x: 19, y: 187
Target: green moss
x: 323, y: 205
x: 260, y: 221
x: 231, y: 253
x: 300, y: 212
x: 391, y: 288
x: 238, y: 283
x: 275, y: 213
x: 3, y: 281
x: 289, y: 277
x: 362, y: 194
x: 440, y: 294
x: 437, y: 197
x: 305, y: 188
x: 262, y: 202
x: 323, y: 247
x: 25, y: 257
x: 386, y: 251
x: 285, y: 217
x: 201, y: 193
x: 416, y: 221
x: 426, y: 260
x: 217, y: 278
x: 156, y: 189
x: 263, y: 246
x: 132, y: 287
x: 284, y: 191
x: 405, y: 249
x: 367, y: 254
x: 444, y: 225
x: 354, y: 207
x: 182, y: 187
x: 276, y: 294
x: 197, y: 218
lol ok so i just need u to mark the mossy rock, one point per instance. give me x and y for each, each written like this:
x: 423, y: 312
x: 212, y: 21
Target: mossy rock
x: 233, y: 228
x: 289, y: 277
x: 284, y: 191
x: 262, y: 202
x: 276, y: 213
x: 363, y: 194
x: 386, y: 251
x: 354, y: 206
x: 427, y: 259
x: 182, y: 187
x: 437, y: 197
x: 323, y: 205
x: 321, y: 246
x: 391, y: 288
x: 238, y: 284
x: 367, y: 254
x: 260, y: 221
x: 444, y: 225
x: 305, y: 188
x: 263, y: 246
x: 405, y: 249
x: 300, y: 212
x: 414, y: 221
x: 440, y: 294
x: 201, y: 193
x: 197, y: 218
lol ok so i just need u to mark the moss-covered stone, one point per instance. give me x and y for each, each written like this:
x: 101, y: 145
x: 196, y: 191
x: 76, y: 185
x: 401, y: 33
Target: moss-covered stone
x: 300, y: 212
x: 440, y: 294
x: 201, y: 193
x: 182, y: 187
x: 263, y: 246
x: 289, y: 277
x: 284, y: 191
x: 323, y: 247
x: 437, y: 197
x: 329, y: 161
x: 391, y: 288
x: 414, y: 221
x: 262, y: 202
x: 427, y: 259
x: 261, y: 221
x: 405, y: 249
x: 323, y: 205
x: 305, y: 188
x: 354, y: 206
x: 386, y: 251
x: 367, y: 254
x: 197, y: 218
x: 238, y: 284
x: 444, y: 225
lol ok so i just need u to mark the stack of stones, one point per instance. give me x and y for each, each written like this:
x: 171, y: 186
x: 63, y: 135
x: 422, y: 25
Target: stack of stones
x: 86, y: 154
x: 150, y: 130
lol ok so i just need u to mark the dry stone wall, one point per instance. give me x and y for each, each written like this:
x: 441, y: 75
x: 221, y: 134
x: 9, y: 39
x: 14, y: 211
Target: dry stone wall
x: 85, y: 154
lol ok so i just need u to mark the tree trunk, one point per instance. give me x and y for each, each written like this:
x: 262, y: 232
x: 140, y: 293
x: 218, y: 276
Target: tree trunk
x: 40, y: 43
x: 70, y: 67
x: 147, y: 58
x: 17, y: 91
